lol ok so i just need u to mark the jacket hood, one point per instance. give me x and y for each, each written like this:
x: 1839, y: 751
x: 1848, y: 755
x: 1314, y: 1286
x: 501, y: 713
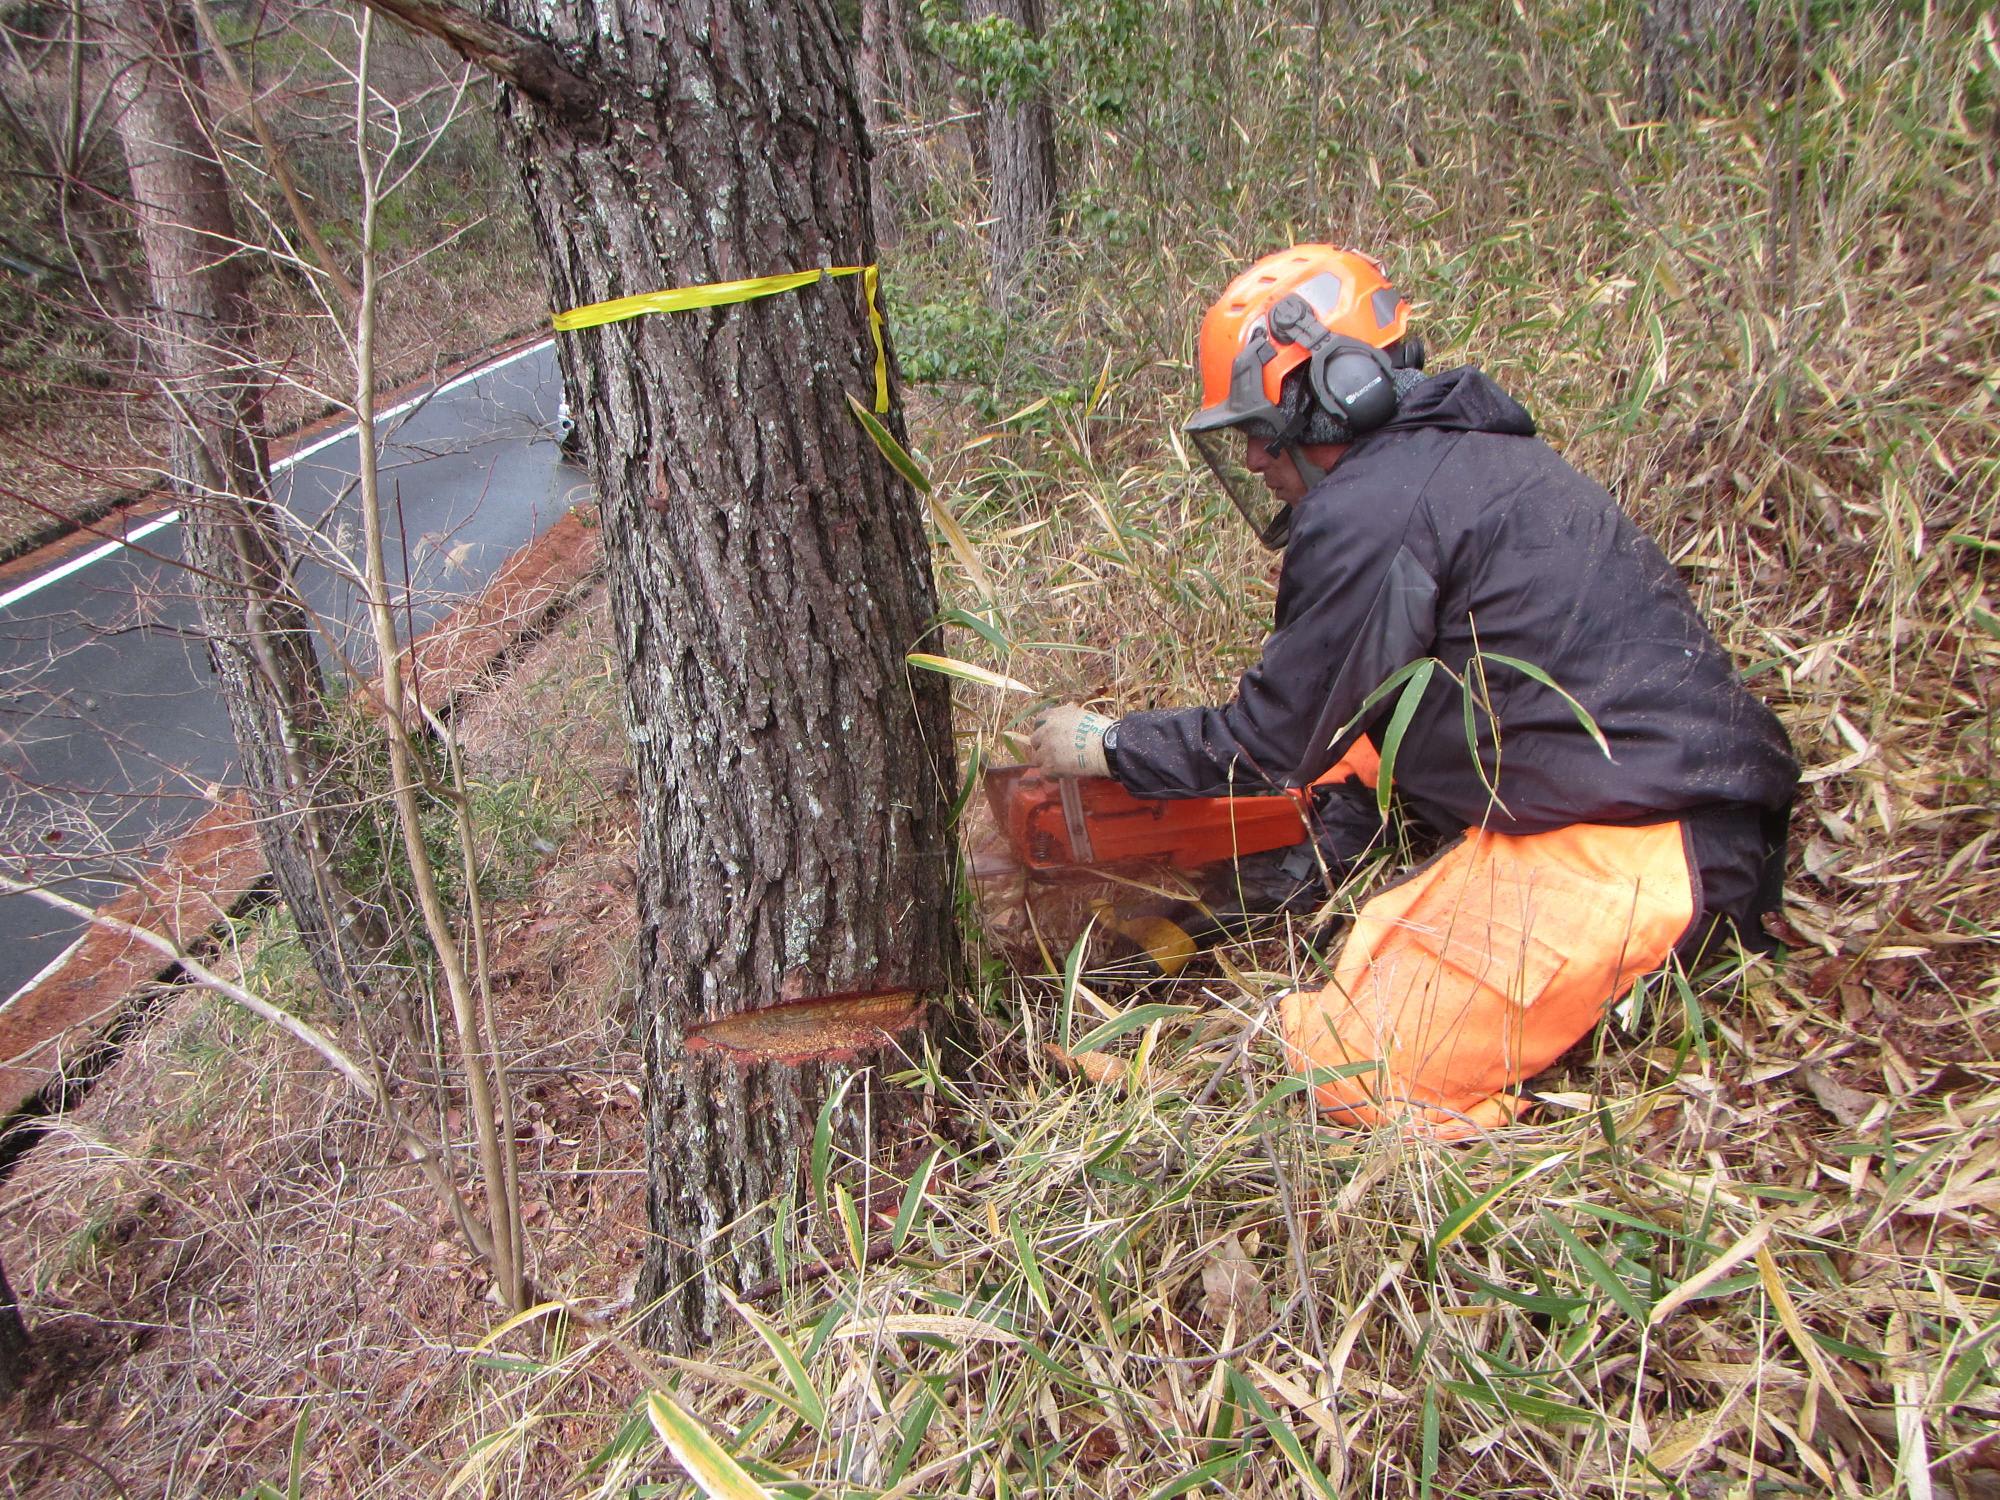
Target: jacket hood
x: 1463, y: 400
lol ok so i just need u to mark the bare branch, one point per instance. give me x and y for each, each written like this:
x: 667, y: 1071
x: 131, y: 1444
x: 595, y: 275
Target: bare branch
x: 528, y: 64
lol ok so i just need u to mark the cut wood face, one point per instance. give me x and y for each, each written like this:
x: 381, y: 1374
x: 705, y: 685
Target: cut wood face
x: 824, y: 1029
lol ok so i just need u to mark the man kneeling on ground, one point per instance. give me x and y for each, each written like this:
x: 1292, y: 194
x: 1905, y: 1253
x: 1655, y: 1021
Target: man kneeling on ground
x: 1614, y: 797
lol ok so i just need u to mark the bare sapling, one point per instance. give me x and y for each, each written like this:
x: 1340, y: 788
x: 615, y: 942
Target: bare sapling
x: 479, y: 1053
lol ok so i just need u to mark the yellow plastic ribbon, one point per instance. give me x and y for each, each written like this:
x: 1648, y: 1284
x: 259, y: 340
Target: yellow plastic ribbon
x: 721, y: 293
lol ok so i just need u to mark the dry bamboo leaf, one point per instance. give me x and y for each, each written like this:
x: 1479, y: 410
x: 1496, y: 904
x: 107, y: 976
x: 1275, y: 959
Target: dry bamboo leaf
x: 1316, y: 1409
x: 1913, y: 1454
x: 1098, y: 1067
x: 1691, y: 1440
x: 1974, y: 1185
x: 1849, y: 1106
x: 1709, y: 1274
x: 935, y: 1325
x: 1230, y: 1286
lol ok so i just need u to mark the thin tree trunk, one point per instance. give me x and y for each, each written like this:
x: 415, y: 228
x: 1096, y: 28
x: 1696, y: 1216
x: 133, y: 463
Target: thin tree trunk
x: 768, y: 574
x: 16, y: 1357
x: 872, y: 77
x: 199, y: 328
x: 1690, y: 43
x: 908, y: 83
x: 1021, y: 152
x: 274, y: 160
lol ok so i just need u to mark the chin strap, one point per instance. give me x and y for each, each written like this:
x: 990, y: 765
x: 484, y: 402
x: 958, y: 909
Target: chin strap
x: 1310, y: 472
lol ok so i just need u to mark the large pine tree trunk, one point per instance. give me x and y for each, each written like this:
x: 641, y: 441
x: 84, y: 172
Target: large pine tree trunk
x: 1021, y: 154
x: 768, y: 574
x: 198, y: 328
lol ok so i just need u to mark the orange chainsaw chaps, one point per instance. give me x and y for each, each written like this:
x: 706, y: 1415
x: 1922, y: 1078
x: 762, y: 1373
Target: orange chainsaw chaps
x: 1185, y: 832
x: 1484, y: 967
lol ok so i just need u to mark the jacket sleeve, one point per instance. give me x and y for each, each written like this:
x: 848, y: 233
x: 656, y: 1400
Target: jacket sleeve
x: 1355, y: 602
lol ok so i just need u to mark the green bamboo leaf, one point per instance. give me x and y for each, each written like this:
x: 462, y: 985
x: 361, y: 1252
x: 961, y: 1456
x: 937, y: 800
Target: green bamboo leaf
x: 1599, y: 1270
x: 1968, y: 1371
x: 850, y: 1223
x: 707, y: 1462
x: 1420, y: 675
x: 781, y: 1240
x: 980, y: 626
x: 810, y: 1406
x: 626, y: 1442
x: 296, y: 1477
x: 916, y: 1424
x: 1548, y: 1307
x: 1389, y: 685
x: 1209, y: 1471
x: 885, y: 440
x: 822, y: 1146
x: 913, y: 1199
x: 1073, y: 980
x: 1534, y: 1408
x: 1138, y: 1017
x: 975, y: 763
x: 1031, y: 1264
x: 1282, y: 1090
x: 1462, y: 1218
x: 1428, y: 1456
x: 1282, y: 1434
x: 1535, y: 673
x: 951, y: 666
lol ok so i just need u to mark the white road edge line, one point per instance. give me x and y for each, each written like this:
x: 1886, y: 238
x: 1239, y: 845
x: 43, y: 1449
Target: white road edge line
x: 83, y: 560
x: 139, y: 533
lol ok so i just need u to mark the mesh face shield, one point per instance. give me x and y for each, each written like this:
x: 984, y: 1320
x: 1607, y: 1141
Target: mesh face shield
x: 1269, y: 517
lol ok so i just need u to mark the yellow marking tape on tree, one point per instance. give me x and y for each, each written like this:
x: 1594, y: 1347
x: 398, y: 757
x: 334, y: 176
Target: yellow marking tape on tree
x: 721, y: 293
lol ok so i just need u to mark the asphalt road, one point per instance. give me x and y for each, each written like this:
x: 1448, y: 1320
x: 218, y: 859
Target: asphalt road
x: 112, y: 738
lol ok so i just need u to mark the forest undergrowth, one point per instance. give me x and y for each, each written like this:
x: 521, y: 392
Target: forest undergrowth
x: 1744, y: 1246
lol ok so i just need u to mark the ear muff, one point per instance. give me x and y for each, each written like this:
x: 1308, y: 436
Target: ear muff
x: 1351, y: 379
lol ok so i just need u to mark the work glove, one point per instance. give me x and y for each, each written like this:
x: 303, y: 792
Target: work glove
x: 1069, y: 741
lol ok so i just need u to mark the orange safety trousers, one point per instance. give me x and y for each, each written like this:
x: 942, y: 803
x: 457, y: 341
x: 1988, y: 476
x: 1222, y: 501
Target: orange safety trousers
x: 1485, y: 966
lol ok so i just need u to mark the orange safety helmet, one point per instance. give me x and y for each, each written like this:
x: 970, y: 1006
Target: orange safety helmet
x: 1327, y: 310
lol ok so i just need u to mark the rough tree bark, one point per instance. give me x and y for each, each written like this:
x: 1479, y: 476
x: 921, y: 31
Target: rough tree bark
x: 873, y: 64
x: 198, y: 326
x: 768, y: 573
x: 1021, y: 152
x: 1688, y: 43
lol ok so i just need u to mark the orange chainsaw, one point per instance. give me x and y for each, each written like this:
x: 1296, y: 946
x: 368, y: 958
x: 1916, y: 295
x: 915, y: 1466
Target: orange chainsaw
x: 1068, y: 822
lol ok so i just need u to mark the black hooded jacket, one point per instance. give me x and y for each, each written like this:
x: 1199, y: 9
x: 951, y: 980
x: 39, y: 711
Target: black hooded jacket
x: 1456, y: 534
